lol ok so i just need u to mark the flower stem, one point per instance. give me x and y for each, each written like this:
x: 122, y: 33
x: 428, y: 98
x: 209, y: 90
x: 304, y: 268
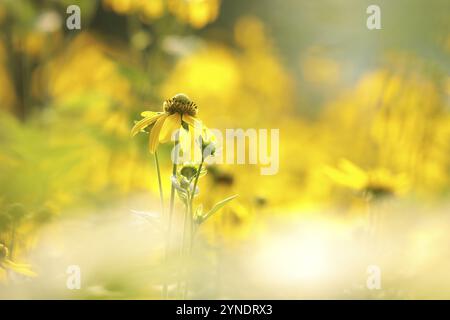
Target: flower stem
x: 172, y: 189
x: 171, y: 206
x: 190, y: 211
x: 161, y: 195
x: 191, y: 204
x: 183, y: 249
x: 195, y: 183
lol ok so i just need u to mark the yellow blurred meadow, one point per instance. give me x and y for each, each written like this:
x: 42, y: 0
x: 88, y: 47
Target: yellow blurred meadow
x: 92, y: 207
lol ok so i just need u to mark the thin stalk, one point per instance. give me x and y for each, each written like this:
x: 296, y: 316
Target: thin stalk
x: 171, y: 206
x: 191, y: 204
x: 172, y: 189
x: 185, y: 226
x: 183, y: 246
x: 191, y: 222
x: 161, y: 195
x: 195, y: 183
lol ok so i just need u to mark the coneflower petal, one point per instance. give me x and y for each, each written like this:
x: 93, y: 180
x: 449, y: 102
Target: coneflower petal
x: 147, y: 114
x: 23, y: 269
x: 172, y: 123
x: 154, y: 134
x: 142, y: 124
x: 192, y: 121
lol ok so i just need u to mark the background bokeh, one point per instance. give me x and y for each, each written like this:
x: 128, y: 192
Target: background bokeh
x: 364, y: 146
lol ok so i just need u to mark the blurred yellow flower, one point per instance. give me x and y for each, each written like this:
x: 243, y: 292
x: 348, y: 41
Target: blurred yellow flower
x: 7, y: 94
x: 228, y: 79
x: 318, y: 68
x: 152, y: 9
x: 84, y: 69
x: 121, y: 6
x: 149, y: 9
x: 395, y: 118
x: 249, y: 33
x: 197, y: 13
x: 374, y: 183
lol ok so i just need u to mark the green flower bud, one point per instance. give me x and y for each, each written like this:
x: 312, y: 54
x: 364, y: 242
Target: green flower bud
x: 188, y: 171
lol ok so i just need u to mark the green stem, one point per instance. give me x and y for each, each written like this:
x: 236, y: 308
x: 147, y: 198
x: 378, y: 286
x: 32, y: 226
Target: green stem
x: 183, y: 247
x: 171, y: 206
x: 191, y: 204
x: 195, y: 183
x: 191, y: 222
x: 161, y: 195
x: 172, y: 189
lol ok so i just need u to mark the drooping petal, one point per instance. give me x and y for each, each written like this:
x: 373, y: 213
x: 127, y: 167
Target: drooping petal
x: 147, y: 114
x: 154, y: 134
x: 351, y: 168
x: 348, y: 174
x: 336, y: 175
x: 172, y: 123
x: 357, y: 177
x: 192, y: 121
x: 142, y: 124
x: 19, y: 268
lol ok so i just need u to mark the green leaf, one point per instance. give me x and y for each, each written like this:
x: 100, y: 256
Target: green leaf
x: 219, y: 205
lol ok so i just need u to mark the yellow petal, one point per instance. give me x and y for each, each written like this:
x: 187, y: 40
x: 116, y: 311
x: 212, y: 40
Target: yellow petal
x: 192, y: 121
x: 154, y: 134
x: 142, y: 124
x: 351, y: 168
x: 172, y: 123
x: 147, y: 114
x: 19, y: 268
x: 342, y: 178
x: 354, y: 173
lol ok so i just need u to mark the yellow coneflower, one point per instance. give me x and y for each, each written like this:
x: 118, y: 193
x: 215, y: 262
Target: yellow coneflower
x: 375, y: 183
x: 176, y: 111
